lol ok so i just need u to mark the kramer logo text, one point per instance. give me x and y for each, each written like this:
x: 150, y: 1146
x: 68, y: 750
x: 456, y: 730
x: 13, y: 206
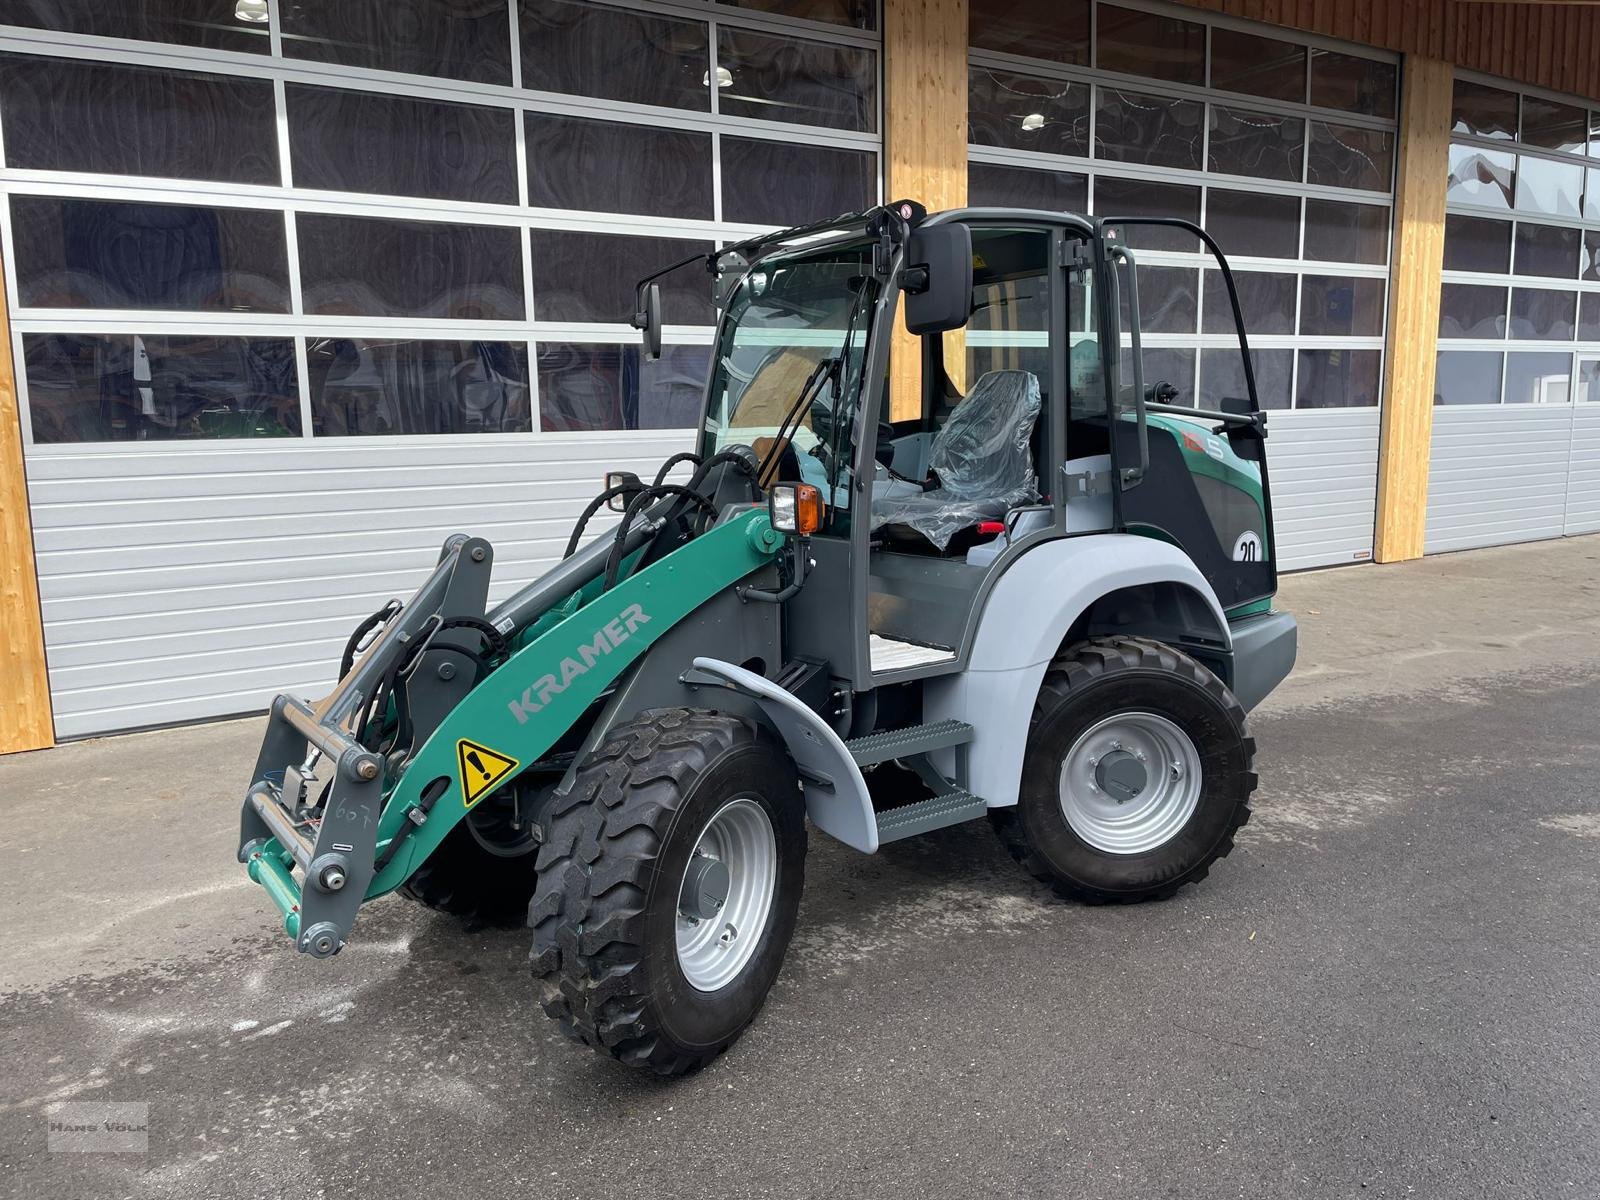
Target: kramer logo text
x: 607, y: 639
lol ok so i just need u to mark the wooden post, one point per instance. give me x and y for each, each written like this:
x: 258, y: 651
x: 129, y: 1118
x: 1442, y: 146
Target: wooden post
x: 25, y: 718
x: 925, y: 136
x: 1414, y: 282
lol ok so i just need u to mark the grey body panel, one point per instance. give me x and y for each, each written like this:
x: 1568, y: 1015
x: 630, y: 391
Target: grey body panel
x: 837, y: 800
x: 1263, y: 655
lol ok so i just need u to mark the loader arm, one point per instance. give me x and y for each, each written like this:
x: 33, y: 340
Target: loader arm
x: 505, y: 723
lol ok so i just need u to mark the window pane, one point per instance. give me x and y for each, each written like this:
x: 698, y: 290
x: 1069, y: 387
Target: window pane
x: 1542, y: 315
x: 129, y: 387
x: 612, y: 166
x: 1485, y: 178
x: 1468, y: 377
x: 614, y: 53
x: 1338, y: 378
x: 1222, y: 377
x: 1243, y: 62
x: 110, y: 254
x: 1135, y: 198
x: 374, y: 387
x: 1341, y: 306
x: 787, y: 79
x: 1337, y: 232
x: 1025, y: 113
x: 1163, y: 365
x: 784, y: 183
x: 450, y: 38
x: 1255, y: 144
x: 1352, y: 84
x: 584, y: 387
x: 350, y: 141
x: 1254, y: 223
x: 1131, y: 127
x: 1554, y: 126
x: 370, y: 266
x: 1141, y: 43
x: 1168, y: 300
x: 1552, y: 189
x: 1484, y: 111
x: 1589, y: 317
x: 1547, y: 250
x: 62, y: 114
x: 861, y: 14
x: 208, y: 23
x: 1542, y: 378
x: 1477, y: 244
x: 1588, y: 391
x: 992, y: 186
x: 1036, y: 28
x: 1591, y: 195
x: 1472, y: 312
x: 1591, y: 255
x: 591, y: 277
x: 1266, y: 300
x: 1344, y: 156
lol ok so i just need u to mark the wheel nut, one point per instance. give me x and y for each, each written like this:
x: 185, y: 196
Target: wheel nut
x: 1177, y: 770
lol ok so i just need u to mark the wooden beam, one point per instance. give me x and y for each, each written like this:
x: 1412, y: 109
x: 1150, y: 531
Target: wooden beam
x: 1418, y: 260
x: 925, y: 141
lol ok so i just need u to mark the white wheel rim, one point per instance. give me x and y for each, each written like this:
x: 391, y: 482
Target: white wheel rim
x: 712, y: 950
x: 1130, y: 783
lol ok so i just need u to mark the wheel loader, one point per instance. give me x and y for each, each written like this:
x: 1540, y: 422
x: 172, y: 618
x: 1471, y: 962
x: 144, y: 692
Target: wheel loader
x: 997, y: 574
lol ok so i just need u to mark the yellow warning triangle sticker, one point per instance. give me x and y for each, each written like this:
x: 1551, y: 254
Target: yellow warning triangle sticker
x: 481, y: 768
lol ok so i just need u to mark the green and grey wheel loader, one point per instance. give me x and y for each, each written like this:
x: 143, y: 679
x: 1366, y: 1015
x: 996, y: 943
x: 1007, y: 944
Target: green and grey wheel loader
x: 1016, y: 578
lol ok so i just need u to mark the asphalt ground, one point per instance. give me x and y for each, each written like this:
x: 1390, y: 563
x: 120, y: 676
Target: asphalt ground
x: 1389, y: 989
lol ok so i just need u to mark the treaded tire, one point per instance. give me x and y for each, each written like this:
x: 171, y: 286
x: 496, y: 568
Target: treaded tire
x: 605, y: 910
x: 1095, y: 680
x: 463, y: 879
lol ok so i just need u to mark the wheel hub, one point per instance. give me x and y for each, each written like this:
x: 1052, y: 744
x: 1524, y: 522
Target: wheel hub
x: 726, y: 893
x: 1130, y: 783
x: 705, y: 887
x: 1120, y: 775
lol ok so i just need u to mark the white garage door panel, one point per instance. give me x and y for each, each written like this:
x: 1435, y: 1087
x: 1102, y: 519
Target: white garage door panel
x: 1324, y: 470
x: 1583, y: 473
x: 1498, y: 474
x: 200, y: 581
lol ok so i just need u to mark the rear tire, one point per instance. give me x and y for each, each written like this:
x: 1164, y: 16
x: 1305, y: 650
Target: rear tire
x: 621, y: 966
x: 1178, y: 792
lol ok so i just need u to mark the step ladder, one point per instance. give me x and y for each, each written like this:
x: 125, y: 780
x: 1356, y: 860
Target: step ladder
x: 950, y: 803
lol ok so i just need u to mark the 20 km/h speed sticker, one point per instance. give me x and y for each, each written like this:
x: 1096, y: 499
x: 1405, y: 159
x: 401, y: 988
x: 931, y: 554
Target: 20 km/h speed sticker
x: 1248, y: 547
x: 481, y: 768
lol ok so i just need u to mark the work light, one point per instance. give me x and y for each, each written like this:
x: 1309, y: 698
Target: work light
x: 795, y: 508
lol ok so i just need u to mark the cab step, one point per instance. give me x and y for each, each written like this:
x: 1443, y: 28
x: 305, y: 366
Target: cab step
x: 952, y: 808
x: 904, y: 743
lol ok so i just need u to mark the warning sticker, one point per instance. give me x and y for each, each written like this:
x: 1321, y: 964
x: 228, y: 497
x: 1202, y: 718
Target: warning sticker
x: 481, y: 769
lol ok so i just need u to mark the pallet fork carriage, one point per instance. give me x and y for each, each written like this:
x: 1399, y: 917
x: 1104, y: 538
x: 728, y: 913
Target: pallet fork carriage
x: 1045, y: 600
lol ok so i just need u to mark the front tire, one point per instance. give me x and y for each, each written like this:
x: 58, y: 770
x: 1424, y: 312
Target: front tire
x: 668, y: 888
x: 1138, y: 772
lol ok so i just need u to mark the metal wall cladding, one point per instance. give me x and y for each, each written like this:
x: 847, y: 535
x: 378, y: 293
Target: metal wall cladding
x: 1323, y: 468
x: 1499, y: 474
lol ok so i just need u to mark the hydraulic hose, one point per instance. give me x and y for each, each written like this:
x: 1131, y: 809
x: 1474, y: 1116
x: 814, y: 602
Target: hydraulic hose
x: 636, y: 506
x: 685, y: 456
x: 594, y: 506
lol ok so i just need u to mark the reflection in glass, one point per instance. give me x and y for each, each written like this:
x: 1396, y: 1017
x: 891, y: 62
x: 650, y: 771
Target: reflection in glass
x: 1591, y: 195
x: 1541, y: 314
x: 1265, y: 299
x: 1168, y: 300
x: 616, y: 166
x: 1588, y: 390
x: 207, y: 23
x: 785, y: 183
x: 1591, y: 256
x: 1484, y: 111
x: 1256, y: 144
x: 1538, y: 378
x: 1348, y: 157
x: 589, y: 387
x: 591, y: 277
x: 1142, y: 43
x: 1256, y: 224
x: 1552, y: 189
x: 419, y: 37
x: 1589, y: 317
x: 1338, y: 232
x: 1243, y: 62
x: 861, y: 14
x: 1341, y: 306
x: 86, y: 387
x: 382, y: 386
x: 1477, y: 244
x: 614, y: 53
x: 1135, y: 198
x: 990, y: 185
x: 788, y: 79
x: 360, y: 141
x: 1035, y: 28
x: 1338, y: 378
x: 1353, y: 84
x: 1546, y: 250
x: 1468, y: 377
x: 1554, y: 126
x: 1222, y: 376
x: 1133, y: 127
x: 372, y: 266
x: 1485, y: 178
x: 112, y: 254
x: 1472, y: 312
x: 63, y: 114
x: 1026, y: 113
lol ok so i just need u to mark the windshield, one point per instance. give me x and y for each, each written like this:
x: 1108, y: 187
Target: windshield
x: 788, y: 370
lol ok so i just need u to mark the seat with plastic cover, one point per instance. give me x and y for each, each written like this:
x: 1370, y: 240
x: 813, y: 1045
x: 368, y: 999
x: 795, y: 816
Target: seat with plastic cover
x: 980, y: 463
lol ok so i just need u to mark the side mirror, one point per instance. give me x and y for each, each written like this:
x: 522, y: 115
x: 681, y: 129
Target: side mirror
x: 937, y: 278
x: 648, y: 318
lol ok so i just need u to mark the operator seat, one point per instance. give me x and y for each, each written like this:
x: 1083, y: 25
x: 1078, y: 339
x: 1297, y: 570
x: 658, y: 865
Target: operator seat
x: 980, y: 465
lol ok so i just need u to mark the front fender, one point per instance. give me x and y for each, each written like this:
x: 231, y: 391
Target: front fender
x: 1024, y: 620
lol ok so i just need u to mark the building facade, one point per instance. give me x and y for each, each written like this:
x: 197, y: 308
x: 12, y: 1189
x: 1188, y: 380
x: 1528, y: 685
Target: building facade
x: 294, y: 291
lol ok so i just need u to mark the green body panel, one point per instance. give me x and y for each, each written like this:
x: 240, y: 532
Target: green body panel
x: 1229, y: 469
x: 570, y: 651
